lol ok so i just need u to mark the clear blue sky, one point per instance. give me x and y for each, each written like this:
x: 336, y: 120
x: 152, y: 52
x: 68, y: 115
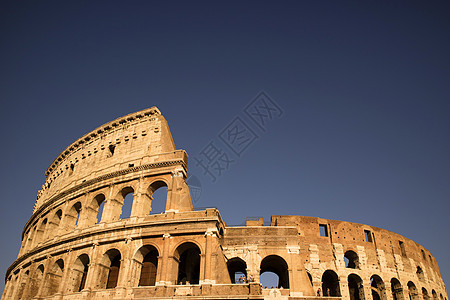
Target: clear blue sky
x: 364, y: 88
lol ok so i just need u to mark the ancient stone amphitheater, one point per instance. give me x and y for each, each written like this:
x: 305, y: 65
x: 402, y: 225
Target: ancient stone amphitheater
x: 78, y: 244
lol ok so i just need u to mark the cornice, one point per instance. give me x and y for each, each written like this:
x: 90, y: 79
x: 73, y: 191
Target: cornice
x: 104, y: 129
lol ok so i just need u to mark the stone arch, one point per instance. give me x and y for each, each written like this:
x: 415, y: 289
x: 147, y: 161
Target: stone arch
x: 412, y: 291
x: 78, y: 274
x: 330, y: 284
x: 355, y: 287
x: 53, y: 224
x: 188, y: 256
x: 10, y: 286
x: 420, y: 274
x: 53, y: 278
x: 109, y: 269
x: 36, y: 280
x: 276, y: 264
x: 72, y: 216
x: 152, y: 188
x: 425, y: 294
x: 434, y: 294
x: 147, y: 258
x: 23, y: 284
x: 378, y: 288
x: 396, y: 289
x: 40, y: 232
x: 351, y: 260
x: 236, y: 267
x: 95, y: 211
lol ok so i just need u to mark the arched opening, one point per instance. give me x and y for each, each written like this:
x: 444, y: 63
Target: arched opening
x: 278, y: 266
x: 425, y: 294
x: 36, y: 281
x: 435, y: 296
x: 442, y: 297
x: 109, y: 269
x: 23, y: 284
x: 237, y: 269
x: 40, y: 232
x: 351, y: 260
x: 412, y: 291
x: 396, y: 289
x: 330, y: 284
x: 10, y: 286
x: 53, y: 278
x: 420, y: 274
x: 188, y: 256
x: 378, y: 288
x: 53, y: 224
x: 78, y: 273
x: 157, y: 192
x: 127, y: 195
x: 72, y: 216
x: 97, y: 205
x: 148, y: 257
x: 355, y: 287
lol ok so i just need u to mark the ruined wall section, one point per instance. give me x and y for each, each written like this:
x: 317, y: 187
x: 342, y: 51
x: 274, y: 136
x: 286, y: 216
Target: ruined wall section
x: 379, y: 251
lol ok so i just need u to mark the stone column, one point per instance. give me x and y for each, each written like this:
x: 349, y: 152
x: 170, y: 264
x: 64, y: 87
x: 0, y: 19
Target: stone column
x: 207, y: 279
x: 142, y: 201
x: 163, y: 275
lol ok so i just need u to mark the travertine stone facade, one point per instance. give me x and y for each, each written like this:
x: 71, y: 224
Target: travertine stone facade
x: 79, y: 244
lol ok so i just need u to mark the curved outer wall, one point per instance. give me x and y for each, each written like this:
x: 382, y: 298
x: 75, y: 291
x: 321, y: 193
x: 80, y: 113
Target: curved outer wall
x: 78, y: 244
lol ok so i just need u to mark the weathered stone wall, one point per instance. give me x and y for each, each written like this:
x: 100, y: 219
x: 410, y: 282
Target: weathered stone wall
x: 78, y: 244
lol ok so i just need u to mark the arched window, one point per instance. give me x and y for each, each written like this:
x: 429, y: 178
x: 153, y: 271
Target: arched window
x: 53, y: 278
x: 330, y: 284
x: 412, y: 291
x: 237, y: 269
x: 36, y: 281
x: 72, y: 216
x: 148, y: 256
x: 435, y: 296
x: 78, y: 273
x: 113, y: 275
x: 378, y: 288
x: 127, y: 195
x: 40, y: 232
x: 188, y: 255
x: 53, y: 224
x: 96, y: 211
x: 23, y: 284
x: 425, y: 294
x: 157, y: 192
x: 396, y: 289
x: 355, y: 287
x: 277, y: 265
x: 420, y: 274
x: 109, y: 269
x: 351, y: 260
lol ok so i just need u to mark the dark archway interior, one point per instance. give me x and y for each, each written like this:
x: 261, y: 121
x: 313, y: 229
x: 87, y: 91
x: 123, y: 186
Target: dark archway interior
x: 149, y: 268
x: 396, y: 289
x: 351, y: 260
x: 330, y: 284
x: 236, y: 265
x: 113, y: 275
x: 277, y: 265
x: 355, y: 287
x: 189, y: 264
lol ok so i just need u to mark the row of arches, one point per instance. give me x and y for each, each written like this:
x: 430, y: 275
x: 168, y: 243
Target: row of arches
x: 331, y: 287
x: 88, y: 212
x: 105, y: 273
x: 272, y: 266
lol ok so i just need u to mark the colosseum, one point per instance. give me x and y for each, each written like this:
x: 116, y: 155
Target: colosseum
x: 81, y: 244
